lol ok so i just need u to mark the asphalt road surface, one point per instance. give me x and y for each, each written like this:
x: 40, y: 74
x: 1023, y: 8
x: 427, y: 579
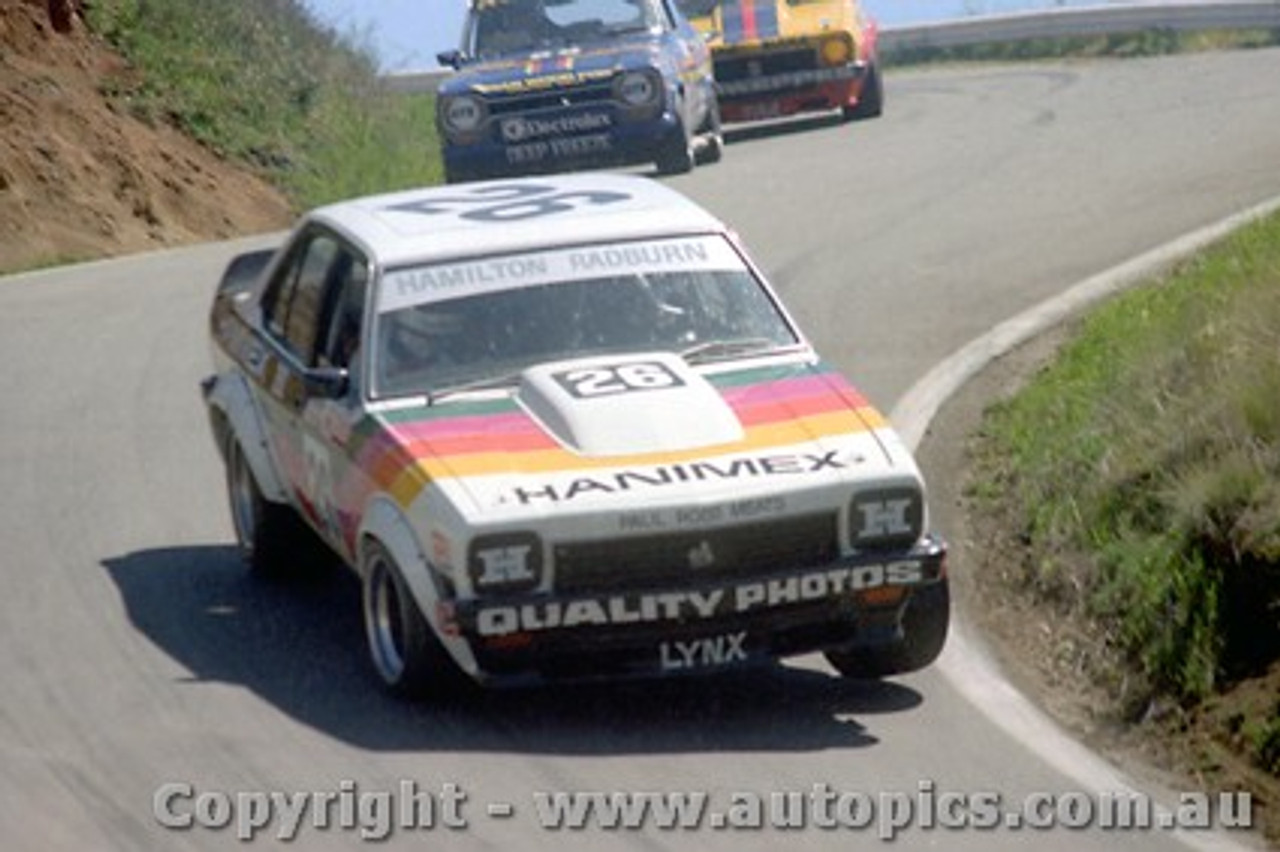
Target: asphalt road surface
x: 139, y: 662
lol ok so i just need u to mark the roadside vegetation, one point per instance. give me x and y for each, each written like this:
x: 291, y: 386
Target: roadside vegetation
x: 1142, y: 472
x: 265, y: 84
x: 1120, y: 45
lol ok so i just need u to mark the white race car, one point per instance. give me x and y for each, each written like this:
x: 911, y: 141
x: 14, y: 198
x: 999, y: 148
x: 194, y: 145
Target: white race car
x: 563, y: 428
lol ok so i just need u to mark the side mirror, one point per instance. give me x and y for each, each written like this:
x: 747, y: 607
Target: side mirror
x: 243, y: 271
x: 450, y: 59
x: 326, y: 382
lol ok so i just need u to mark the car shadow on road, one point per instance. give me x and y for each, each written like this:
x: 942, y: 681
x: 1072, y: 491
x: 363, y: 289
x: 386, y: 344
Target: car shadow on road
x: 736, y: 133
x: 299, y: 645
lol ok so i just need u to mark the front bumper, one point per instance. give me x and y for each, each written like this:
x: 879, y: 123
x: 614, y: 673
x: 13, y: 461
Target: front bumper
x: 853, y: 602
x: 559, y: 141
x: 790, y: 93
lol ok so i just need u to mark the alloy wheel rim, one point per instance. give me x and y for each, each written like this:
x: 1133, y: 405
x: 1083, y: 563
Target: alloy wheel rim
x: 385, y: 623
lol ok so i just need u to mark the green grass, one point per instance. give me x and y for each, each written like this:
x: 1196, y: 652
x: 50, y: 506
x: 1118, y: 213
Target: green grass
x: 263, y: 83
x: 52, y: 261
x: 1264, y: 736
x: 1144, y: 468
x: 1119, y: 45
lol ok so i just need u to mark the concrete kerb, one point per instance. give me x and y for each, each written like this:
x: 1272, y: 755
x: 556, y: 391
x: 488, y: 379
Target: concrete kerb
x: 965, y: 663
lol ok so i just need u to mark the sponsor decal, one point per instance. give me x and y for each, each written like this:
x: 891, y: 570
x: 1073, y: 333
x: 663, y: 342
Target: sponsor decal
x: 761, y: 110
x: 419, y: 285
x: 511, y: 202
x: 543, y: 64
x: 884, y: 518
x: 702, y: 556
x: 783, y: 409
x: 595, y: 382
x: 574, y: 146
x: 522, y: 129
x: 703, y: 653
x: 504, y: 565
x: 703, y: 605
x: 756, y: 85
x: 701, y: 516
x: 441, y: 549
x: 886, y: 513
x: 783, y: 464
x: 543, y: 82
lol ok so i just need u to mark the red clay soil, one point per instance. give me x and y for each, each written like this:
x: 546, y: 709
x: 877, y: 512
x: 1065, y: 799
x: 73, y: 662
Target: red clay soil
x: 80, y: 179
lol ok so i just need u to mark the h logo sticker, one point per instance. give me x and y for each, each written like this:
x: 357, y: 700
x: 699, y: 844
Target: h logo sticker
x: 886, y: 514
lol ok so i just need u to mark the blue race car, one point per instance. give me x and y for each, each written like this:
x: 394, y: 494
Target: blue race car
x: 555, y: 85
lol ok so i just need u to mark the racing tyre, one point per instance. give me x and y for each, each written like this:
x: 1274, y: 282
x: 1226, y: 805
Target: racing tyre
x: 871, y: 100
x: 272, y: 539
x: 678, y: 156
x: 712, y: 137
x: 405, y: 652
x: 924, y: 632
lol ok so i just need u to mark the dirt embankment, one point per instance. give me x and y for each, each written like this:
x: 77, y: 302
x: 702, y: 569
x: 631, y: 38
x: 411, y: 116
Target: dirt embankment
x: 81, y: 178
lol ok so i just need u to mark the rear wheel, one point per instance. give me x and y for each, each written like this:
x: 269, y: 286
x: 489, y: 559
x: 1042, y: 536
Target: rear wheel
x: 271, y: 537
x: 924, y: 633
x: 405, y: 652
x: 871, y: 100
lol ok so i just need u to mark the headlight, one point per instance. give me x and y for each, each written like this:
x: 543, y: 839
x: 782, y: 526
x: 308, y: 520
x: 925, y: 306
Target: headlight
x: 886, y: 517
x: 462, y: 114
x: 505, y: 562
x: 836, y: 50
x: 638, y: 89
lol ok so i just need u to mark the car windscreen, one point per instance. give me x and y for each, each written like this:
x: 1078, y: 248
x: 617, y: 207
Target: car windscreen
x: 506, y: 27
x: 484, y: 320
x: 697, y: 8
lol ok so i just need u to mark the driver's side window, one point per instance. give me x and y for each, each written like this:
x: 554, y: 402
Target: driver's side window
x: 343, y: 325
x: 314, y: 304
x: 294, y: 298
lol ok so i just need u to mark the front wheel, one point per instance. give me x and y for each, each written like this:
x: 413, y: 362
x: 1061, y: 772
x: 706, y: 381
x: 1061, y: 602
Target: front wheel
x: 924, y: 633
x: 405, y: 652
x: 870, y: 100
x: 711, y: 137
x: 677, y: 156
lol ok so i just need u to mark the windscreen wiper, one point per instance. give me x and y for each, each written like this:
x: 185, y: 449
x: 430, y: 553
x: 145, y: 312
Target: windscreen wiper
x: 719, y: 350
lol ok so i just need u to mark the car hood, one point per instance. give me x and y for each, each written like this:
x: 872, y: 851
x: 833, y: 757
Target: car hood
x: 553, y: 68
x: 738, y: 433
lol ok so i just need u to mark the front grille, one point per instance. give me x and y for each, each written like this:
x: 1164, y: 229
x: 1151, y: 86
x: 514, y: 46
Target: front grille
x: 730, y: 69
x: 550, y: 99
x: 639, y: 562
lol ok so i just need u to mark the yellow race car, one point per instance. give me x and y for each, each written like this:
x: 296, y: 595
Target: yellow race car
x: 782, y: 57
